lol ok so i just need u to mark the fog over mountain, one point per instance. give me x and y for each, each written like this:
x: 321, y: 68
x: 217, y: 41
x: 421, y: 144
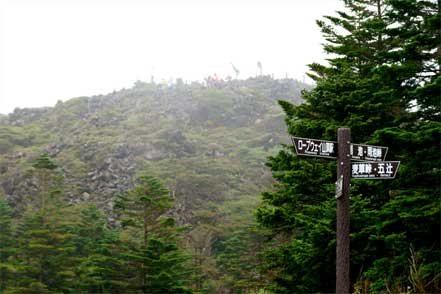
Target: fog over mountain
x: 69, y: 48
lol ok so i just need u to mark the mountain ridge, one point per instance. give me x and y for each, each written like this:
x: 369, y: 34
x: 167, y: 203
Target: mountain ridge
x: 213, y: 128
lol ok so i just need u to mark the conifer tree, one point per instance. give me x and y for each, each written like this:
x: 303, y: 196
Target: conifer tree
x: 98, y: 249
x: 238, y: 258
x: 6, y: 244
x: 151, y: 238
x: 381, y: 82
x: 44, y: 168
x: 44, y: 253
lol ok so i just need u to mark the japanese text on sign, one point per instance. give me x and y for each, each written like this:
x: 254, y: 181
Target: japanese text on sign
x: 373, y: 170
x: 318, y: 148
x: 367, y: 152
x: 328, y: 149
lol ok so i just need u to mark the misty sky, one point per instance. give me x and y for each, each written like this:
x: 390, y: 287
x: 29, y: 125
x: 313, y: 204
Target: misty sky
x: 58, y: 49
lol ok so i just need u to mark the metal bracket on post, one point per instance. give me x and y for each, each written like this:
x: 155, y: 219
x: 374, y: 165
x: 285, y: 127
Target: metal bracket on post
x: 339, y: 187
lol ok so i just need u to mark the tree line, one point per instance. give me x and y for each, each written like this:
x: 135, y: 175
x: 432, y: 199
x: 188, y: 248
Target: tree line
x: 382, y: 81
x: 56, y: 247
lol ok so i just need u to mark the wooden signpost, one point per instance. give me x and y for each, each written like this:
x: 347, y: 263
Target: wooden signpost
x: 368, y: 164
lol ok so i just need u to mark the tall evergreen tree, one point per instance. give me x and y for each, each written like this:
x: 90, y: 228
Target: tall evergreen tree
x: 44, y: 251
x: 152, y: 238
x: 7, y: 248
x: 43, y: 170
x: 381, y: 82
x: 98, y: 249
x: 238, y: 258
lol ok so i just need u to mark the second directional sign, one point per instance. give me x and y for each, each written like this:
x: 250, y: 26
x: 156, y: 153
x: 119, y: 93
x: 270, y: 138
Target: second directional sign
x: 368, y: 152
x: 374, y: 170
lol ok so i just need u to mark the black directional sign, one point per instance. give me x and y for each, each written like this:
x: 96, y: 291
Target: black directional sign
x: 374, y: 170
x: 329, y: 149
x: 316, y: 148
x: 368, y: 152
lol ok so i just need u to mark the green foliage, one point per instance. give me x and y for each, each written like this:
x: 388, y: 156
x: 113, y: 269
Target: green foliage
x: 98, y: 250
x: 6, y: 243
x: 207, y: 142
x: 144, y: 204
x: 238, y: 258
x: 13, y: 137
x: 381, y: 82
x: 44, y: 162
x: 44, y: 253
x: 49, y: 181
x: 166, y: 272
x: 71, y: 249
x: 43, y: 256
x: 152, y: 251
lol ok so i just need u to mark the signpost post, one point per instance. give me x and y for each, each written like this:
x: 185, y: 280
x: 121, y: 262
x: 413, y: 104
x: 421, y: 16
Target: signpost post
x: 370, y: 165
x: 343, y: 172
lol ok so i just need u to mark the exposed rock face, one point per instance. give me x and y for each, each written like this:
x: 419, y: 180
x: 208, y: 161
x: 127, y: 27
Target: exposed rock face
x: 195, y: 137
x: 22, y: 116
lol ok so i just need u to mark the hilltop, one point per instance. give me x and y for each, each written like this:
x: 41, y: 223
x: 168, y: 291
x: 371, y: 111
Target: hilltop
x: 207, y: 141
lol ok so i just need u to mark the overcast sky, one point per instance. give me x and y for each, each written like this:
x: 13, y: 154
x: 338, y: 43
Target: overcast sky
x: 59, y: 49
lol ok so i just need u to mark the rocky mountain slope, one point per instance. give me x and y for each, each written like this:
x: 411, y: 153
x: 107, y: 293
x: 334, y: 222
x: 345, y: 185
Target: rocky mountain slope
x: 207, y: 141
